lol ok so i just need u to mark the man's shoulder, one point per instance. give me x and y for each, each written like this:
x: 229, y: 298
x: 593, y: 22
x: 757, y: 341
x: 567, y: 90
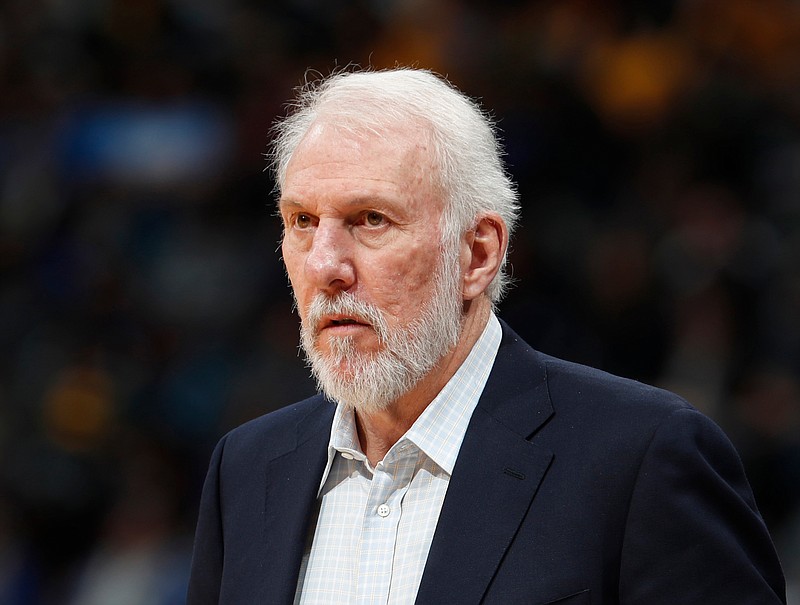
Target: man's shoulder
x: 569, y: 378
x: 283, y: 429
x: 590, y: 410
x: 286, y: 416
x: 585, y: 389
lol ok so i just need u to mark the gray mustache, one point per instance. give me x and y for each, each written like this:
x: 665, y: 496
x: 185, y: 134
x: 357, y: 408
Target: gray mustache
x: 348, y: 305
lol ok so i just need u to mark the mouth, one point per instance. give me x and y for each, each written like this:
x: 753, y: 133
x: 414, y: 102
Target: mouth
x: 334, y: 322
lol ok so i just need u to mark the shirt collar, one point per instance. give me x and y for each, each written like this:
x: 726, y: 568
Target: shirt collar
x: 440, y: 429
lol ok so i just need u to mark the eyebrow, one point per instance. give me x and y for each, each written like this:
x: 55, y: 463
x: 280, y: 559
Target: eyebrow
x: 284, y: 203
x: 379, y: 203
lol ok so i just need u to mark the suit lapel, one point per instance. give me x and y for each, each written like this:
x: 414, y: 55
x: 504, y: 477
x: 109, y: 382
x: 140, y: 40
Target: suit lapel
x: 495, y: 479
x: 292, y: 481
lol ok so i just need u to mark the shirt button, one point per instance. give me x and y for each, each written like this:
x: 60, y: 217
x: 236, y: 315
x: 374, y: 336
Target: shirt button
x: 384, y: 510
x: 347, y: 456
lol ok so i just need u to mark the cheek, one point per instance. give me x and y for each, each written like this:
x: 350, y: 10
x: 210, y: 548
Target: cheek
x: 293, y: 264
x: 292, y: 260
x: 407, y: 283
x: 420, y: 268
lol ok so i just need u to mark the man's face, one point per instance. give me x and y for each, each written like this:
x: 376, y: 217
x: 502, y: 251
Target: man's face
x: 362, y: 228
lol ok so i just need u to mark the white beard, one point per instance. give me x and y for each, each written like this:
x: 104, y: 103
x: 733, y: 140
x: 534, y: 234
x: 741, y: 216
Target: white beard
x: 370, y: 382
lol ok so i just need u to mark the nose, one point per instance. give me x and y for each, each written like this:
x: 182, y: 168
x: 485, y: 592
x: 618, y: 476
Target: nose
x: 329, y: 264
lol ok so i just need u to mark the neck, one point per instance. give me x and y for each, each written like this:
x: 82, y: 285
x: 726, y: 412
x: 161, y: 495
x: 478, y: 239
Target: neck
x: 378, y: 432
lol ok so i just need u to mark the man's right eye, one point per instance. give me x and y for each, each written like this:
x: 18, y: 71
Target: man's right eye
x: 302, y: 221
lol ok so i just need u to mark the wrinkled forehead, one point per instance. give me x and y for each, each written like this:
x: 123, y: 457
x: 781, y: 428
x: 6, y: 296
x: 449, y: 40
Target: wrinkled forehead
x: 400, y: 135
x: 403, y: 153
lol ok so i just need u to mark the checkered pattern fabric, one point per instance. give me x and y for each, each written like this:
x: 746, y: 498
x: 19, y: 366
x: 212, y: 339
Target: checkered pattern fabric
x: 375, y: 525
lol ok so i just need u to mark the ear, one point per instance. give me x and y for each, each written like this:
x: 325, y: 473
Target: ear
x: 482, y: 254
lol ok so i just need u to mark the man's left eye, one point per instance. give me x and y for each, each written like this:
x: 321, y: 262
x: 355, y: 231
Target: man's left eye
x: 374, y: 219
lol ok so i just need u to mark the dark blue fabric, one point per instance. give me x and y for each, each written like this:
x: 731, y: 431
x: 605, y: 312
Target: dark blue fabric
x: 572, y: 486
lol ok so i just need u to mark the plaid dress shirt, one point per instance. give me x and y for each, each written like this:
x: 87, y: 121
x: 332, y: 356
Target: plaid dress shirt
x: 375, y: 525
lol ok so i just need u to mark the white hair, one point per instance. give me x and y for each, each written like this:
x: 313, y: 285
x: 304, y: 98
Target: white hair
x: 466, y: 152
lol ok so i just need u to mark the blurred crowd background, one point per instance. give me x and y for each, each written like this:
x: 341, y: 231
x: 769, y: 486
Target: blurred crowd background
x: 144, y: 310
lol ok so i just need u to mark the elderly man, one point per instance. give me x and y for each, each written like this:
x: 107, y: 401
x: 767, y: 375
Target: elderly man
x: 445, y: 460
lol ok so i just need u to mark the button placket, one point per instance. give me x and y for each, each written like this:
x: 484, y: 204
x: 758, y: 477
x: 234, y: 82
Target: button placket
x: 378, y: 538
x: 382, y: 515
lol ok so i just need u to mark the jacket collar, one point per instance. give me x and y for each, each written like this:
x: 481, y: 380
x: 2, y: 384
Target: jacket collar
x: 496, y: 477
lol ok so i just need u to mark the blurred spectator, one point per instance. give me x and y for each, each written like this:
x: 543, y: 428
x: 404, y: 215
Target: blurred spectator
x: 143, y: 552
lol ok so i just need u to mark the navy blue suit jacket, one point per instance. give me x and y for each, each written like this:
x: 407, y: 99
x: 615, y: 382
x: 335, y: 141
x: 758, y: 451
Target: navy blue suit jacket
x: 571, y: 487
